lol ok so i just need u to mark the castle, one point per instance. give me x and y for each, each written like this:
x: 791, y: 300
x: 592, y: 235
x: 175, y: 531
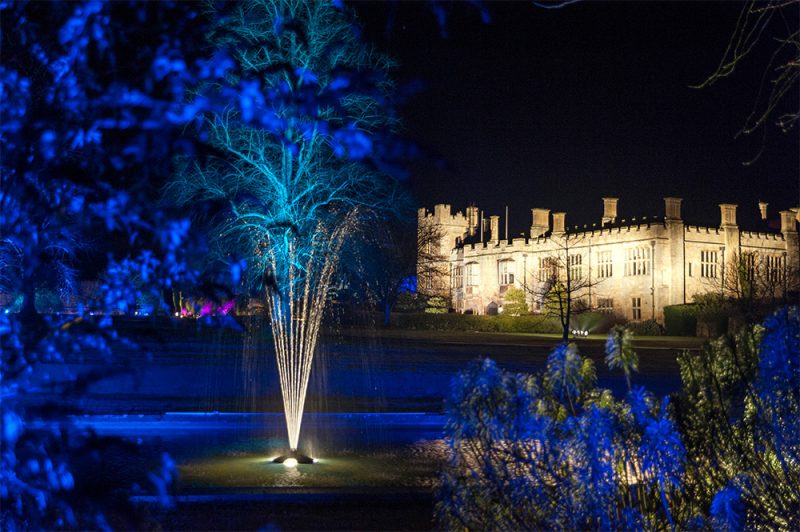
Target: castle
x: 633, y: 268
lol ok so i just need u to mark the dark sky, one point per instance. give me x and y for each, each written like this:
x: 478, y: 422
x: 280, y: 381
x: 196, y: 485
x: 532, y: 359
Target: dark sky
x: 557, y: 108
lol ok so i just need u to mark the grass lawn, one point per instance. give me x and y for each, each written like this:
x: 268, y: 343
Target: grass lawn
x: 533, y: 339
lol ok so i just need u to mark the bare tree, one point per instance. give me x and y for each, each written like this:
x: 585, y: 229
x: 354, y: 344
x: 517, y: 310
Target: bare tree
x: 753, y: 280
x: 290, y: 199
x: 382, y: 257
x: 564, y: 283
x: 775, y: 23
x: 433, y: 269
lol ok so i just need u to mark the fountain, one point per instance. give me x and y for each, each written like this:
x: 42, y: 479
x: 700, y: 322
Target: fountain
x: 296, y: 302
x: 289, y: 185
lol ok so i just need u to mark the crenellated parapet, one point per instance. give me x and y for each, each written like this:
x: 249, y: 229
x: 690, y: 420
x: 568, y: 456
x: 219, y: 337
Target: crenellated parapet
x: 636, y: 265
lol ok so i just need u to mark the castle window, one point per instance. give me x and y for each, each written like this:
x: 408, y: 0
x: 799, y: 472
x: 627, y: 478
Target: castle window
x: 505, y: 272
x: 638, y: 261
x: 458, y: 276
x: 604, y: 265
x: 575, y: 270
x: 774, y: 268
x: 636, y: 308
x: 605, y: 304
x: 473, y: 274
x: 548, y: 269
x: 708, y: 264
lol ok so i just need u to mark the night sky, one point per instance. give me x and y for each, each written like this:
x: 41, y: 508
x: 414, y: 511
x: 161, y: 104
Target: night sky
x: 556, y: 108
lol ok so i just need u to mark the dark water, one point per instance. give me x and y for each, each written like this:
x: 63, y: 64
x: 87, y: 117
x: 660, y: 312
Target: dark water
x: 213, y: 372
x: 234, y: 452
x: 374, y: 421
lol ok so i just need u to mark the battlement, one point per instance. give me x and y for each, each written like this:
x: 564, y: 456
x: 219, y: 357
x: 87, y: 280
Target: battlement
x: 639, y: 263
x: 754, y: 235
x: 702, y: 230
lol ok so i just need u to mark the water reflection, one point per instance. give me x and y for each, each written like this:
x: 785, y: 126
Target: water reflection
x: 234, y: 452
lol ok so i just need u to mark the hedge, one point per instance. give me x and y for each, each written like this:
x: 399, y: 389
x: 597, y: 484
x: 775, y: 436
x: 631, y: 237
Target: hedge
x: 680, y: 320
x: 512, y: 324
x: 467, y: 322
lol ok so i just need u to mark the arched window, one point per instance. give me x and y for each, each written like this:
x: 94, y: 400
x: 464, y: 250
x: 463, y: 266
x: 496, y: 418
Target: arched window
x: 473, y: 274
x: 505, y: 272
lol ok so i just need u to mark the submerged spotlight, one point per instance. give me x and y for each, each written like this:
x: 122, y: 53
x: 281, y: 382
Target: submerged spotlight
x: 293, y: 458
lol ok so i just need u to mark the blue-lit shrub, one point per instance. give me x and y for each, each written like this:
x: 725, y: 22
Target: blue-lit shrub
x: 739, y: 409
x: 553, y: 451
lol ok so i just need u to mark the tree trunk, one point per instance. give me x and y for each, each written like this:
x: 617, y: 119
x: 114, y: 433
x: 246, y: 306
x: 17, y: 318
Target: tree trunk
x: 28, y: 299
x: 387, y: 313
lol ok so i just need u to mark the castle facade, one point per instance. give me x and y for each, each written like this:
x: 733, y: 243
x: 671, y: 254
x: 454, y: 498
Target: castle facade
x: 633, y: 268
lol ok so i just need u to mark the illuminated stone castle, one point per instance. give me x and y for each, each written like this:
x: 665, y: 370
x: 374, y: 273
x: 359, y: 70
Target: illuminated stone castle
x: 633, y: 268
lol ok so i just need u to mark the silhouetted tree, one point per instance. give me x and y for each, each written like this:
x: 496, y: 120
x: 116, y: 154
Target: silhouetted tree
x: 765, y: 24
x: 382, y: 256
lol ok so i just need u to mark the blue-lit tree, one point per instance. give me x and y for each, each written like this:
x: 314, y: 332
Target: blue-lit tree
x: 92, y: 97
x: 295, y: 167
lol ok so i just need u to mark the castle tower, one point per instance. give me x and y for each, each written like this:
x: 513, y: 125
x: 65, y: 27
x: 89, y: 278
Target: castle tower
x: 789, y: 231
x: 677, y: 250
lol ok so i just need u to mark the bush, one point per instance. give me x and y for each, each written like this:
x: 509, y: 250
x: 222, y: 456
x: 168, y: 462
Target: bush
x: 409, y: 302
x: 436, y: 305
x: 712, y: 313
x: 552, y: 451
x: 515, y: 304
x: 740, y: 406
x: 680, y: 320
x: 645, y: 328
x: 468, y: 322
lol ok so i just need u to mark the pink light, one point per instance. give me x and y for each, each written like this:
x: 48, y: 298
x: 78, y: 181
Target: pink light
x: 227, y: 307
x: 206, y: 309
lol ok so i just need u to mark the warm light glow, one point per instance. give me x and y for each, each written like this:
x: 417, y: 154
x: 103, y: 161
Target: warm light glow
x: 296, y: 316
x: 290, y: 462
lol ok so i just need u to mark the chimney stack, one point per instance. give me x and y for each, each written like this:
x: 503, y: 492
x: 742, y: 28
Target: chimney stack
x: 558, y: 222
x: 672, y: 209
x: 727, y: 214
x: 609, y: 210
x: 472, y: 219
x: 788, y: 222
x: 494, y: 228
x: 540, y: 223
x: 762, y: 209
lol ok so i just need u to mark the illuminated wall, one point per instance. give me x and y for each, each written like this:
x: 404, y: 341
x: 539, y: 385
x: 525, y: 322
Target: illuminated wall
x: 629, y: 267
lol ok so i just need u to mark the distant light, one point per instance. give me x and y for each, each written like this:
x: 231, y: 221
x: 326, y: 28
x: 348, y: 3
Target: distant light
x: 177, y: 314
x: 290, y: 462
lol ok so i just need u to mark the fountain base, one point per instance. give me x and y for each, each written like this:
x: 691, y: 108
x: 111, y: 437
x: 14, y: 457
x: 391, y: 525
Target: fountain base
x: 297, y: 455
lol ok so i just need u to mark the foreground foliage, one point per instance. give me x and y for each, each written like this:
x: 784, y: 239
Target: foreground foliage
x: 553, y: 451
x: 740, y: 417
